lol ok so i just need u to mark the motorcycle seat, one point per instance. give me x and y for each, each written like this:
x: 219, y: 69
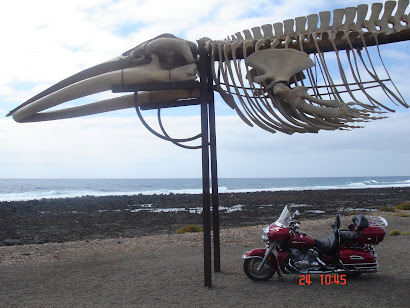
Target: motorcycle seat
x: 331, y: 244
x: 347, y: 236
x: 328, y: 245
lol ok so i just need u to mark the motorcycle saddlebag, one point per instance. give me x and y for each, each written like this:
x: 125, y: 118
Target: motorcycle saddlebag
x: 358, y: 260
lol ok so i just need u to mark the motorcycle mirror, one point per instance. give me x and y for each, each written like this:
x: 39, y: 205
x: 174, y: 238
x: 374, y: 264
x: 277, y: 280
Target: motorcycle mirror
x: 297, y: 213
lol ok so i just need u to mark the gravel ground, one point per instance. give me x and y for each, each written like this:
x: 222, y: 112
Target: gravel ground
x: 167, y: 271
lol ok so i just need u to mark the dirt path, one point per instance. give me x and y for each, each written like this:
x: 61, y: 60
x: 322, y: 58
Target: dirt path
x: 166, y: 271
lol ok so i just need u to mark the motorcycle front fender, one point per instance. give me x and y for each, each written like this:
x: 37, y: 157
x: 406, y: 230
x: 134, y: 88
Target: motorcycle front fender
x: 260, y: 252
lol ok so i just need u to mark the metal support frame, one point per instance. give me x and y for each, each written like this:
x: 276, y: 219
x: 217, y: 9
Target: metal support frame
x: 214, y: 172
x: 208, y: 131
x: 208, y: 146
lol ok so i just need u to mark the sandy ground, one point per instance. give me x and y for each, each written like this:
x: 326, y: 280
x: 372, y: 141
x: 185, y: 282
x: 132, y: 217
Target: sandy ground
x: 167, y: 271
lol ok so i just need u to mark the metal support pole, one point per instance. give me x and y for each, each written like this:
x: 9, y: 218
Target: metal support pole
x: 214, y: 173
x: 208, y: 145
x: 206, y: 200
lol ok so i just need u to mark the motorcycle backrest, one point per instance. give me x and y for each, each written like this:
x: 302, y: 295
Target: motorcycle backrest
x: 336, y: 224
x: 360, y: 222
x: 338, y: 221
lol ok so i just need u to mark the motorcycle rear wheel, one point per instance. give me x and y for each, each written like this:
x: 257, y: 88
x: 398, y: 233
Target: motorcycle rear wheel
x: 250, y: 266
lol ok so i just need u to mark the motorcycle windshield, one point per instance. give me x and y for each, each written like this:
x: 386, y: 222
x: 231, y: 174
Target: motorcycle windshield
x: 284, y: 217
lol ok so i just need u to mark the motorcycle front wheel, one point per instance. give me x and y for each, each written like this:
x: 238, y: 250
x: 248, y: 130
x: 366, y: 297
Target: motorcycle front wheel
x: 250, y: 266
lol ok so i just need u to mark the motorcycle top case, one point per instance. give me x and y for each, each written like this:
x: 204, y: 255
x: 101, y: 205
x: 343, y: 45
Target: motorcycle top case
x: 371, y: 235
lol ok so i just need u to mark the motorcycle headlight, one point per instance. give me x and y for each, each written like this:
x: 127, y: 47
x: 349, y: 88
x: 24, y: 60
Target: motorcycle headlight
x: 265, y: 237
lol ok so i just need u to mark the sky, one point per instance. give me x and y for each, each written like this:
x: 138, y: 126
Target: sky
x: 44, y: 42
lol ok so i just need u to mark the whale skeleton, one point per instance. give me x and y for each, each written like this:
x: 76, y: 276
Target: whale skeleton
x: 275, y: 76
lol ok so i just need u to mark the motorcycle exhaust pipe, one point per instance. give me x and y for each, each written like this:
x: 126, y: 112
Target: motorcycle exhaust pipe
x: 323, y: 264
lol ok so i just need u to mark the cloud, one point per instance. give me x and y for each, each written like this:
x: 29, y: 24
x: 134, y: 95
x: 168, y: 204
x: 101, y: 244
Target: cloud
x: 381, y: 148
x: 122, y: 147
x: 89, y: 147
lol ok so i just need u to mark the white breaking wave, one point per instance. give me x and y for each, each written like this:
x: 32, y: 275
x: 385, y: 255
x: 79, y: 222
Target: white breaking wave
x: 72, y: 194
x: 55, y: 191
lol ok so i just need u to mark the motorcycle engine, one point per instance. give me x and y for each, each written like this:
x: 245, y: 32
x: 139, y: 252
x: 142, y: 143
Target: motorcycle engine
x: 303, y: 261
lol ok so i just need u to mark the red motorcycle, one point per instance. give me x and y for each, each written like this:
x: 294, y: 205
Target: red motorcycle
x: 349, y: 252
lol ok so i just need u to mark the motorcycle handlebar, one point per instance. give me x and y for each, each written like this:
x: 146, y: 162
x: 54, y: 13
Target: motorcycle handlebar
x: 294, y: 225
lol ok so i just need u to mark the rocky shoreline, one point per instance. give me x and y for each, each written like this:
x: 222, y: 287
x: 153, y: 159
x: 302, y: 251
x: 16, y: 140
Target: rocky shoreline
x: 89, y: 217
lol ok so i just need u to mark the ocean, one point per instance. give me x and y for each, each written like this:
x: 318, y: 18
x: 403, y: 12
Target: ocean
x: 31, y: 189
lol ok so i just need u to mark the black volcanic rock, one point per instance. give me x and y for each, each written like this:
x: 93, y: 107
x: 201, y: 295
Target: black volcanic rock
x: 89, y: 217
